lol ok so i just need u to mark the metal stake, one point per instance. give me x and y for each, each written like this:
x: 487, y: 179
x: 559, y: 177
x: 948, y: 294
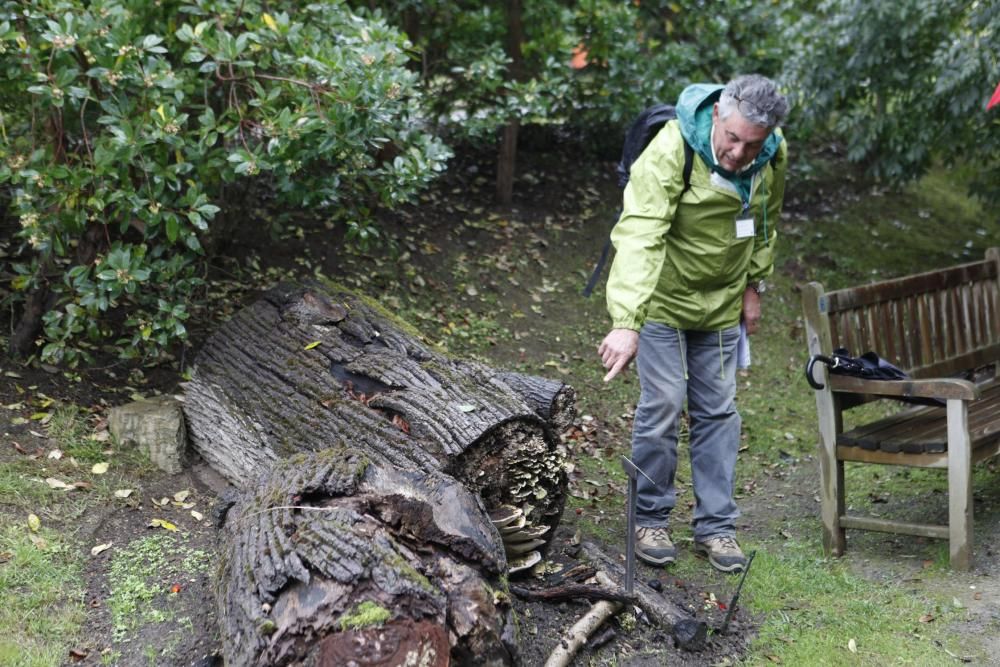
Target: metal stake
x: 631, y: 470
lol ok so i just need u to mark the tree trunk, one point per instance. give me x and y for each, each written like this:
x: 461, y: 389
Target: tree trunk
x: 22, y: 340
x: 507, y: 154
x: 443, y: 471
x: 506, y: 159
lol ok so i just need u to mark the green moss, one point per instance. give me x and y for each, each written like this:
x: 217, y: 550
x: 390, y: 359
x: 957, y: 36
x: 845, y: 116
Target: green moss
x: 267, y: 627
x: 410, y: 572
x: 375, y: 306
x: 364, y: 615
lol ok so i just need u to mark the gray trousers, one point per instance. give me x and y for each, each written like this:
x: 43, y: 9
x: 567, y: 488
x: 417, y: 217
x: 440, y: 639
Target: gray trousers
x: 700, y: 366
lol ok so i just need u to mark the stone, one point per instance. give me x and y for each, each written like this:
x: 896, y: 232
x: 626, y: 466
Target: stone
x: 156, y: 426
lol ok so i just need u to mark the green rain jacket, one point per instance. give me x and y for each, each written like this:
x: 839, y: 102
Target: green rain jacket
x: 677, y: 260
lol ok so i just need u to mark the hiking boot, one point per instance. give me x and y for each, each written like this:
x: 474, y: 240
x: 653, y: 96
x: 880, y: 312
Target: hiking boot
x: 653, y: 546
x: 723, y: 553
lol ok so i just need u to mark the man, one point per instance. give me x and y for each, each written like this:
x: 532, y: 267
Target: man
x: 689, y: 267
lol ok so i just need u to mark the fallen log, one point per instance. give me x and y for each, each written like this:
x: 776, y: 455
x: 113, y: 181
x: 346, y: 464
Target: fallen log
x: 312, y: 379
x: 304, y: 369
x: 332, y: 560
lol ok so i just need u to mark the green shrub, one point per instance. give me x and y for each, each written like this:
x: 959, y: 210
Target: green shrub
x: 132, y: 131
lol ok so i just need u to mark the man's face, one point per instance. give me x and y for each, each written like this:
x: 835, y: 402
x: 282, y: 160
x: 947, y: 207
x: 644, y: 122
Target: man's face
x: 737, y: 141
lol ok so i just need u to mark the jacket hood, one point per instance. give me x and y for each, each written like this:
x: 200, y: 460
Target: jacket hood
x: 694, y: 111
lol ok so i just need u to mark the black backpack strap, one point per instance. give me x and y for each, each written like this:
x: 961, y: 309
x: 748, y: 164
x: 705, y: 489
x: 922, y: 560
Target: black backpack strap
x: 688, y: 166
x: 602, y: 260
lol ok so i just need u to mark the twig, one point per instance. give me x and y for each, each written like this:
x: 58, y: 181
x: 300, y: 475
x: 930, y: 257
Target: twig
x: 570, y: 592
x: 576, y: 637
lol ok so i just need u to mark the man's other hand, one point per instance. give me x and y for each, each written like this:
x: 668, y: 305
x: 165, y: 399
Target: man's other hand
x: 751, y: 310
x: 617, y: 349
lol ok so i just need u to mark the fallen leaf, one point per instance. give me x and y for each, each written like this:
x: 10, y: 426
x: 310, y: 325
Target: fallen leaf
x: 176, y: 588
x: 161, y: 502
x: 927, y: 618
x: 957, y: 603
x: 34, y: 523
x: 852, y: 646
x: 312, y: 345
x: 467, y: 408
x: 55, y: 454
x: 40, y: 542
x: 101, y: 436
x: 78, y: 654
x: 123, y: 493
x: 100, y: 547
x: 181, y: 496
x: 198, y: 516
x: 162, y: 523
x: 99, y: 468
x: 56, y: 483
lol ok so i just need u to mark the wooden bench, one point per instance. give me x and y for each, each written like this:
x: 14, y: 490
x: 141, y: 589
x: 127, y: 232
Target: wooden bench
x: 943, y: 328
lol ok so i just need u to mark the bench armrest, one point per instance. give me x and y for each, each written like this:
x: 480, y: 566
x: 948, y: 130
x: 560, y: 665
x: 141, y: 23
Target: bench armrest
x: 940, y: 388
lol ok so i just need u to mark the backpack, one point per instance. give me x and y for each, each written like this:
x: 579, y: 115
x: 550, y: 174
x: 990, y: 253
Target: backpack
x: 639, y: 134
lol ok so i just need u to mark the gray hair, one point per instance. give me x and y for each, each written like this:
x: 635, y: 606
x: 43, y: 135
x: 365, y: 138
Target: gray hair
x: 757, y: 99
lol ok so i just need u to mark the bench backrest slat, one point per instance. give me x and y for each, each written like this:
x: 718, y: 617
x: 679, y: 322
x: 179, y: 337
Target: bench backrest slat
x: 925, y: 323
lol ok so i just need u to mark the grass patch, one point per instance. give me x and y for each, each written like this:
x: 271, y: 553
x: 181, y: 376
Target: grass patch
x: 814, y: 607
x: 140, y: 578
x: 41, y: 596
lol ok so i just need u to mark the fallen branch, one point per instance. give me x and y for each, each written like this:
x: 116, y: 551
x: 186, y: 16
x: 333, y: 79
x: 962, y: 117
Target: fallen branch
x: 570, y: 592
x: 576, y: 637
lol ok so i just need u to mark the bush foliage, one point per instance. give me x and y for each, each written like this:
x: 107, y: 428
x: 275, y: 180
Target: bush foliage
x: 128, y: 125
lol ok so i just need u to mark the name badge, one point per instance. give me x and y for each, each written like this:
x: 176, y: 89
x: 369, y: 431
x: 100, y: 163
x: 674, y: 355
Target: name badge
x: 744, y: 228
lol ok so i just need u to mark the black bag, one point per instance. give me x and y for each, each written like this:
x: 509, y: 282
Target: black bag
x: 639, y: 134
x: 869, y: 366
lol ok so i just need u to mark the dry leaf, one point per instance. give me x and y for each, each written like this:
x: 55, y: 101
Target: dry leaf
x: 100, y: 547
x: 312, y: 345
x: 40, y: 542
x: 198, y: 516
x: 927, y: 618
x: 123, y: 493
x: 100, y: 468
x: 55, y: 454
x: 162, y: 523
x: 852, y: 646
x: 56, y: 483
x: 101, y: 436
x: 161, y: 502
x: 34, y: 523
x: 181, y: 496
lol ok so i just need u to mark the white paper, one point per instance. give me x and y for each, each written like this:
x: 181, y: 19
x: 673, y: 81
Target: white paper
x: 743, y: 348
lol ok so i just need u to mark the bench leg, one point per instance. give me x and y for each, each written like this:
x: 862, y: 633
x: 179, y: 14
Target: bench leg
x: 831, y: 473
x: 959, y: 486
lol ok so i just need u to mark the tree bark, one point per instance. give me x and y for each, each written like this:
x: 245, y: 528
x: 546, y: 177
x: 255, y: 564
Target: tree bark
x: 29, y: 325
x: 368, y: 462
x: 331, y: 559
x: 507, y: 154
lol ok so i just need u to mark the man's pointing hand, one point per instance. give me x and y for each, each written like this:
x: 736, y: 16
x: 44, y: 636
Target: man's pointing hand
x: 617, y: 349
